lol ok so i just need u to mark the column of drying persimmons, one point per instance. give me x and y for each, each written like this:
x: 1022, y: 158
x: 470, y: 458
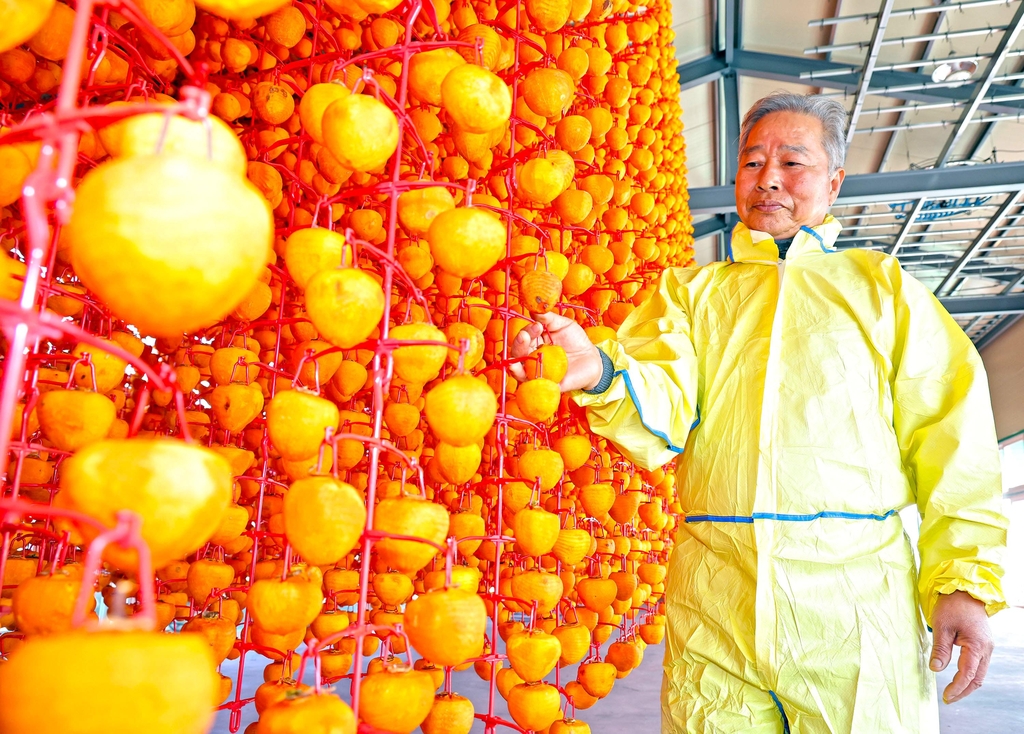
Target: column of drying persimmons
x: 538, y: 154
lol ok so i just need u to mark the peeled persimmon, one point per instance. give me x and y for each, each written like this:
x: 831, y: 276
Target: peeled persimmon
x: 534, y: 706
x: 427, y: 70
x: 476, y: 99
x: 446, y: 626
x: 298, y: 421
x: 461, y: 410
x: 413, y: 517
x: 323, y: 518
x: 235, y: 406
x: 71, y: 419
x: 344, y: 304
x: 170, y: 243
x: 180, y: 491
x: 467, y: 241
x: 540, y: 290
x: 396, y: 699
x: 53, y: 35
x: 533, y: 654
x: 450, y: 714
x: 20, y: 20
x: 312, y: 249
x: 280, y: 607
x: 241, y: 10
x: 489, y: 41
x: 541, y: 180
x: 360, y: 131
x: 314, y: 104
x: 44, y: 605
x: 548, y: 92
x: 272, y: 103
x: 417, y: 208
x: 170, y: 688
x: 306, y: 713
x: 548, y: 15
x: 419, y: 363
x: 154, y: 133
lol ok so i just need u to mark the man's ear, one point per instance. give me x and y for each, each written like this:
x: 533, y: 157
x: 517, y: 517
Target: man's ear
x: 835, y: 184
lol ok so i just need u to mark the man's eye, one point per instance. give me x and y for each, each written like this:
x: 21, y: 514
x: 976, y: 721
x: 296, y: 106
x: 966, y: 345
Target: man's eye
x: 793, y: 163
x: 751, y: 164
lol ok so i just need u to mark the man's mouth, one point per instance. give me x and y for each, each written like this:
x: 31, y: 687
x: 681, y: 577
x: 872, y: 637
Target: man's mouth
x: 767, y: 207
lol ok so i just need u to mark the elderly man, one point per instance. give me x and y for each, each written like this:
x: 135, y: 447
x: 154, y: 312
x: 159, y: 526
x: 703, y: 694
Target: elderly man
x: 807, y: 395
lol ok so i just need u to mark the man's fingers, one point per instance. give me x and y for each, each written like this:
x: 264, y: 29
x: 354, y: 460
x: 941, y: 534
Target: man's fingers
x: 554, y: 322
x: 942, y: 646
x: 530, y: 333
x: 526, y: 340
x: 965, y: 681
x: 986, y: 658
x: 978, y: 657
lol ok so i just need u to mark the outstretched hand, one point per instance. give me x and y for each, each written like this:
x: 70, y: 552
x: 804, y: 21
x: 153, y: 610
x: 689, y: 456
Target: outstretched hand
x: 585, y: 366
x: 960, y: 619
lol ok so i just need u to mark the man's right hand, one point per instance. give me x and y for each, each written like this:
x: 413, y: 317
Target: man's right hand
x: 584, y: 359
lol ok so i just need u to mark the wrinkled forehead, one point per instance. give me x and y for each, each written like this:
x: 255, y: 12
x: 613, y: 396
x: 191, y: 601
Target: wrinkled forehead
x: 783, y: 132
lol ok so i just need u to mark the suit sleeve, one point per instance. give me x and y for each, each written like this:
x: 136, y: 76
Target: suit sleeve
x: 943, y: 422
x: 651, y: 405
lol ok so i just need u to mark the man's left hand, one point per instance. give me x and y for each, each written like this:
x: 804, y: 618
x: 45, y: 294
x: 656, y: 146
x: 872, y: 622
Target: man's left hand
x: 960, y: 619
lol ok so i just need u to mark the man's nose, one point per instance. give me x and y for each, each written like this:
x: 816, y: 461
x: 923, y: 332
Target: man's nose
x: 769, y: 179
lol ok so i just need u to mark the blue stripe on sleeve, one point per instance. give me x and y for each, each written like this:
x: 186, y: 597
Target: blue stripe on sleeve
x: 639, y: 411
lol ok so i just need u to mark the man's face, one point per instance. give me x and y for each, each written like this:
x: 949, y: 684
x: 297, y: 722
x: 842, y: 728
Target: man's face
x: 783, y: 181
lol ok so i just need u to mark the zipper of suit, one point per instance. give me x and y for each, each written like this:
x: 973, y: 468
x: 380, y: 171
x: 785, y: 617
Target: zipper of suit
x: 766, y: 491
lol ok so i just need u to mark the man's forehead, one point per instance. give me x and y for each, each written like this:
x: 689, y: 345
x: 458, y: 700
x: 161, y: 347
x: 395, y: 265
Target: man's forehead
x: 787, y: 132
x: 791, y: 148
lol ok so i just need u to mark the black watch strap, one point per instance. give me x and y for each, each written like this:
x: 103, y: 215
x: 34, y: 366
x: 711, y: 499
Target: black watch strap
x: 607, y: 373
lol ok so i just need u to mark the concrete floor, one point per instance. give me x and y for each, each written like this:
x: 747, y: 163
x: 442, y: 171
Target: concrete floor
x: 633, y: 705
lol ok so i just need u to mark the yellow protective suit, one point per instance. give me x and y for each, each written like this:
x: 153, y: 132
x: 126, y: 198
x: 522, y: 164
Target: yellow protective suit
x: 814, y: 399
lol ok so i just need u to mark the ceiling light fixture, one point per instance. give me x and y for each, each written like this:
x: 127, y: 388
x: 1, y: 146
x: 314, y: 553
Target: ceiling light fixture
x: 955, y: 71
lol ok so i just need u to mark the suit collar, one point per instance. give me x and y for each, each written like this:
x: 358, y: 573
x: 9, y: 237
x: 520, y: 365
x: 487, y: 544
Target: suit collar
x: 749, y: 245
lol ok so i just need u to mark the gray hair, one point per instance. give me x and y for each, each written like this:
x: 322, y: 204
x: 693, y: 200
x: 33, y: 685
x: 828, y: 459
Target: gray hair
x: 828, y: 111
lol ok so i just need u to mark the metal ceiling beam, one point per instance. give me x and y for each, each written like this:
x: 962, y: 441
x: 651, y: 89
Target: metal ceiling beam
x: 1018, y: 117
x: 977, y: 305
x: 733, y: 29
x: 902, y: 65
x: 832, y: 30
x: 729, y: 40
x: 908, y: 12
x: 902, y: 41
x: 880, y: 188
x: 908, y: 223
x: 992, y: 334
x: 877, y: 38
x: 940, y: 18
x: 1001, y: 274
x: 982, y: 88
x: 986, y: 133
x: 1014, y: 285
x: 725, y: 235
x: 729, y: 108
x: 982, y: 237
x: 709, y: 227
x: 701, y: 71
x: 942, y: 9
x: 800, y: 71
